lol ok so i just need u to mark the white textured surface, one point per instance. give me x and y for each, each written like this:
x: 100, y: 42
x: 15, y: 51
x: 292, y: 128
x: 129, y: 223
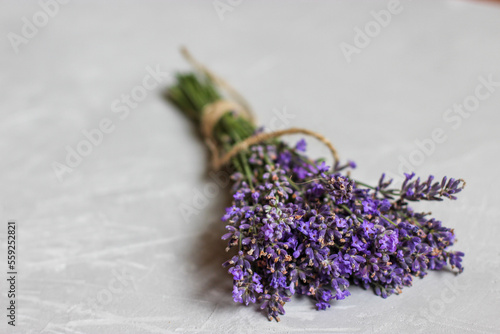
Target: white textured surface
x: 118, y: 211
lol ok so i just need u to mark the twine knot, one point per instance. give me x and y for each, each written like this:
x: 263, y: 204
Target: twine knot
x: 213, y: 112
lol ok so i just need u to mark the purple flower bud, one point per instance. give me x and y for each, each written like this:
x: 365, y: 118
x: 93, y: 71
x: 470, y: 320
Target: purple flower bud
x: 301, y: 145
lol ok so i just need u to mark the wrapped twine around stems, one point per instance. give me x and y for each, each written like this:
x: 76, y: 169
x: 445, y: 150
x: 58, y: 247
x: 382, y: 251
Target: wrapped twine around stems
x: 213, y: 112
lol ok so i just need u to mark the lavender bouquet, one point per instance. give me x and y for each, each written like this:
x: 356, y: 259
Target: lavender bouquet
x: 302, y: 227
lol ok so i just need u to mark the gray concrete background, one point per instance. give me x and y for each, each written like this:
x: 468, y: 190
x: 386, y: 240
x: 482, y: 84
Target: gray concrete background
x: 103, y: 246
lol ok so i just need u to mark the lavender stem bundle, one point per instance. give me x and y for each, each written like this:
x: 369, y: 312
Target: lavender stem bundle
x: 301, y: 227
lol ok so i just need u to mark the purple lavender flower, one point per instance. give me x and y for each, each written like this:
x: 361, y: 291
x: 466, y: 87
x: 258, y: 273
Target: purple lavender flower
x: 237, y: 273
x: 340, y: 188
x: 238, y: 294
x: 388, y: 242
x: 320, y: 235
x: 301, y: 145
x: 414, y: 190
x: 300, y: 172
x: 239, y: 196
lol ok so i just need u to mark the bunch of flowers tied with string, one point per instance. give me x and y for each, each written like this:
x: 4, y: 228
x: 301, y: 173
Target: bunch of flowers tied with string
x: 299, y: 226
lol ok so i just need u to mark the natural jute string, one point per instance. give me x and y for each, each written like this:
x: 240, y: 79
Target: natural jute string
x: 212, y: 113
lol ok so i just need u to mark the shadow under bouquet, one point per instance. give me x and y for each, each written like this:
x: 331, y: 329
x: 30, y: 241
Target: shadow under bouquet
x: 299, y: 226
